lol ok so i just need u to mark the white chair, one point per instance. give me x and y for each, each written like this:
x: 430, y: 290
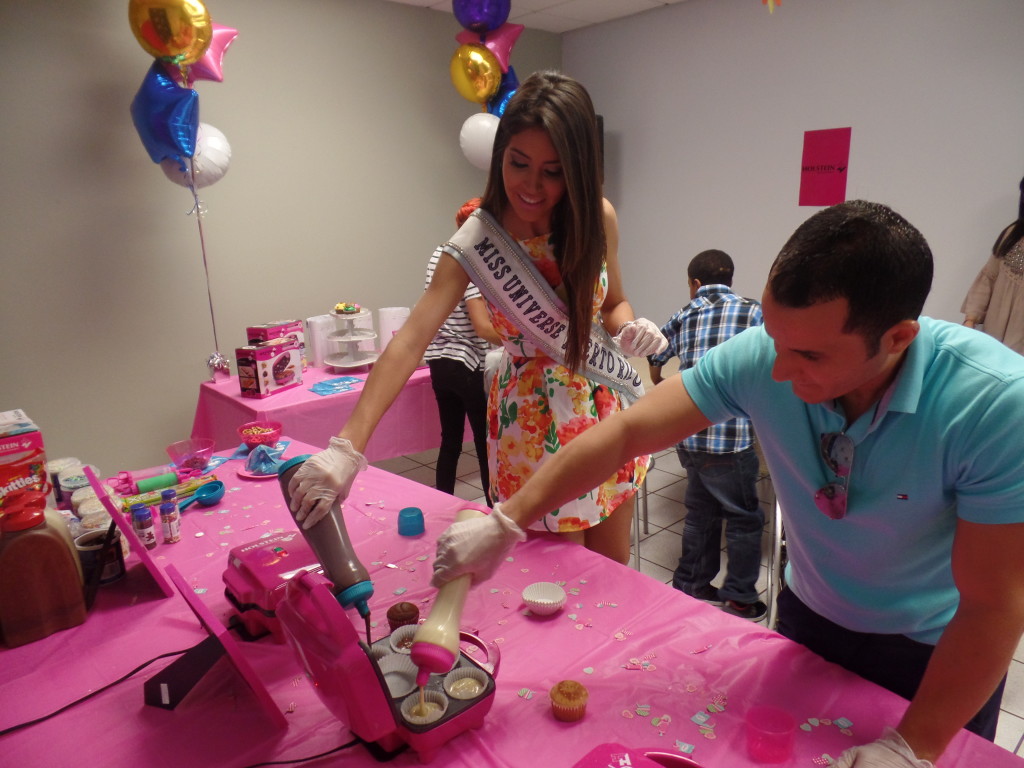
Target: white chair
x: 776, y: 564
x: 639, y: 515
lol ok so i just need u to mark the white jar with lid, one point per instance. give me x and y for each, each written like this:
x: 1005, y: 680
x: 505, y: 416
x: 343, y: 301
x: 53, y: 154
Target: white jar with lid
x: 53, y: 469
x: 70, y: 480
x: 85, y: 494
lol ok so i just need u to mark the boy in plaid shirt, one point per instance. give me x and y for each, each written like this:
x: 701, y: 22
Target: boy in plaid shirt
x: 720, y: 462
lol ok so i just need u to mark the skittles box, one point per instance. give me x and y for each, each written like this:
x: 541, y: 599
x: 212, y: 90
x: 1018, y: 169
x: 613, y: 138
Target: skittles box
x: 273, y: 366
x: 23, y: 478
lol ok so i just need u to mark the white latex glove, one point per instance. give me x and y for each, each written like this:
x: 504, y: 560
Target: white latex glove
x: 475, y: 546
x: 890, y: 751
x: 321, y: 479
x: 641, y: 337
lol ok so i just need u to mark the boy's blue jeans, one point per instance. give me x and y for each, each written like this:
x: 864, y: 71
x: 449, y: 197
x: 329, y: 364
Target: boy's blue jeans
x: 721, y: 488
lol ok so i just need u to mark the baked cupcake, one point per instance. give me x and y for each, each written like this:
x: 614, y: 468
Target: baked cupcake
x: 569, y: 701
x: 401, y: 614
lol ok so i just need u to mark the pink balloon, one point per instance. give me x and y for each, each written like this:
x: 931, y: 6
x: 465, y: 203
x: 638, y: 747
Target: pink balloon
x: 499, y: 41
x: 211, y: 65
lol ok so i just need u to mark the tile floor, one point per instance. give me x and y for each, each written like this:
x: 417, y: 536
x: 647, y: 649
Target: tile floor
x: 660, y: 547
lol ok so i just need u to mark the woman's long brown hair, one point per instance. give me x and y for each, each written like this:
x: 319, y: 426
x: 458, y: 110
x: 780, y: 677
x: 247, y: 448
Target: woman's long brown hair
x: 562, y: 107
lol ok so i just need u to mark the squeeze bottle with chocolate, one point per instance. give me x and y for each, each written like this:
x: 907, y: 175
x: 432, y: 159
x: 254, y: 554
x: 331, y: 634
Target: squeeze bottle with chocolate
x: 435, y: 646
x: 330, y: 542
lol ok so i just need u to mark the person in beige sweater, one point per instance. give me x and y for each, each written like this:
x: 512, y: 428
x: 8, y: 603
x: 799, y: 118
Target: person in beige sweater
x: 995, y: 300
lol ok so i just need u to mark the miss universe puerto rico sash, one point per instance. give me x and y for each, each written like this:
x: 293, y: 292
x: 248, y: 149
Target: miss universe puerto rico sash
x: 508, y: 279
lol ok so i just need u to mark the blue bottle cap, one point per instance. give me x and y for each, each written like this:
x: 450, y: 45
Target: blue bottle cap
x: 292, y: 462
x: 410, y: 521
x: 358, y: 595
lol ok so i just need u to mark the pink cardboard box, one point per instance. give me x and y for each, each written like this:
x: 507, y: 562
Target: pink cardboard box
x: 270, y: 367
x: 279, y: 329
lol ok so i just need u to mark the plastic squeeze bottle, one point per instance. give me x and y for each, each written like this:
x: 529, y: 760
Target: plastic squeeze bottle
x: 435, y: 646
x: 40, y: 574
x: 330, y: 542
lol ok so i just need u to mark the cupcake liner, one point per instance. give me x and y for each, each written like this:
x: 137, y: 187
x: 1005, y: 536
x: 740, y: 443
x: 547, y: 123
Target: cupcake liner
x: 465, y: 683
x: 568, y: 714
x: 544, y: 598
x: 401, y: 638
x: 435, y: 713
x: 399, y: 674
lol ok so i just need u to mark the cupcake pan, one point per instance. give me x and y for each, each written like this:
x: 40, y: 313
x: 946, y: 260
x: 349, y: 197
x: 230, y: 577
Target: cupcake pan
x: 381, y: 651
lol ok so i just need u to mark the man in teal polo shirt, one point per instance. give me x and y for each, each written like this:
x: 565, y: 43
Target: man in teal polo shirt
x: 893, y: 444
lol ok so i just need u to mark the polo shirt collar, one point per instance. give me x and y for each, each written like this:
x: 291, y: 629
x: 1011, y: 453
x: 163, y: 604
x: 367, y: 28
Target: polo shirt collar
x: 903, y: 393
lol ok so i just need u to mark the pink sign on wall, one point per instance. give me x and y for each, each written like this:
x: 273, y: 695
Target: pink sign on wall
x: 823, y: 168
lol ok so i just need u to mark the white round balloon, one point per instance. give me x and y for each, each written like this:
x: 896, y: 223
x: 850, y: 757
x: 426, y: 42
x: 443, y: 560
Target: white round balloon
x: 477, y: 138
x: 210, y: 162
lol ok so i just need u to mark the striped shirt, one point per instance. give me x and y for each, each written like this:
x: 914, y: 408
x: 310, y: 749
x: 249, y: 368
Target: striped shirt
x: 456, y: 339
x: 714, y: 315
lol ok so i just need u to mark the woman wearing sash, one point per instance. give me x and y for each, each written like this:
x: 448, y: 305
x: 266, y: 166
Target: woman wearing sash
x: 543, y: 223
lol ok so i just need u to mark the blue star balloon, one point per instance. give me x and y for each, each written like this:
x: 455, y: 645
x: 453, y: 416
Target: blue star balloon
x: 507, y: 89
x: 166, y: 116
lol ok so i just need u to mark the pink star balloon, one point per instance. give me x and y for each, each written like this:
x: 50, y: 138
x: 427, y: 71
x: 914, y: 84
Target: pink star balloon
x: 211, y: 65
x: 498, y: 41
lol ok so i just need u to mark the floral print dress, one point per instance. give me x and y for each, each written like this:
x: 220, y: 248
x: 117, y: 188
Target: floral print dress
x: 535, y: 406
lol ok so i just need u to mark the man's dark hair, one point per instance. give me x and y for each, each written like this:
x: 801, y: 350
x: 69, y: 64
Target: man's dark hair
x: 711, y: 267
x: 863, y: 252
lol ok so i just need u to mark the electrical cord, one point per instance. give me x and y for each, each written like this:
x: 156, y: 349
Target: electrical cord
x: 88, y: 696
x: 346, y: 745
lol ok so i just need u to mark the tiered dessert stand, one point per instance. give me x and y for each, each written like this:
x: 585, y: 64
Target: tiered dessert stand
x: 349, y: 337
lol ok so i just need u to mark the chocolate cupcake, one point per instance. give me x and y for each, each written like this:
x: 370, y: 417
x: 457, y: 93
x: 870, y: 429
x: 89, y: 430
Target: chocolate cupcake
x: 401, y: 614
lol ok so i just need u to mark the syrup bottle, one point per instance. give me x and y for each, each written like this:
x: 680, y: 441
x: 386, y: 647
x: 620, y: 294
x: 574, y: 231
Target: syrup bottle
x: 435, y: 646
x: 333, y: 548
x: 40, y: 574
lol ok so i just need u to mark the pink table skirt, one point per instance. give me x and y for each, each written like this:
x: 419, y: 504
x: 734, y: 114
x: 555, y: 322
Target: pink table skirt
x: 652, y: 659
x: 411, y: 425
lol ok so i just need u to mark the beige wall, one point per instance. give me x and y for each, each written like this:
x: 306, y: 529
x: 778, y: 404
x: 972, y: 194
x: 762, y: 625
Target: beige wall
x: 706, y: 103
x: 346, y: 172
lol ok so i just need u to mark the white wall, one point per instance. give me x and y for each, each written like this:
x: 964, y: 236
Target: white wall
x: 346, y: 172
x: 706, y: 103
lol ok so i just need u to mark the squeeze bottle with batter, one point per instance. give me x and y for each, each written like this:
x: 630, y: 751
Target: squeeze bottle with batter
x: 330, y: 542
x: 435, y: 646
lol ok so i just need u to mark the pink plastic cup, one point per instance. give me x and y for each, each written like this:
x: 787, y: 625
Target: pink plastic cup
x: 770, y: 735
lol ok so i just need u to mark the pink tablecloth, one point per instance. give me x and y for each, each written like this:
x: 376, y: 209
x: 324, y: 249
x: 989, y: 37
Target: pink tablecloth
x: 651, y: 658
x: 411, y: 424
